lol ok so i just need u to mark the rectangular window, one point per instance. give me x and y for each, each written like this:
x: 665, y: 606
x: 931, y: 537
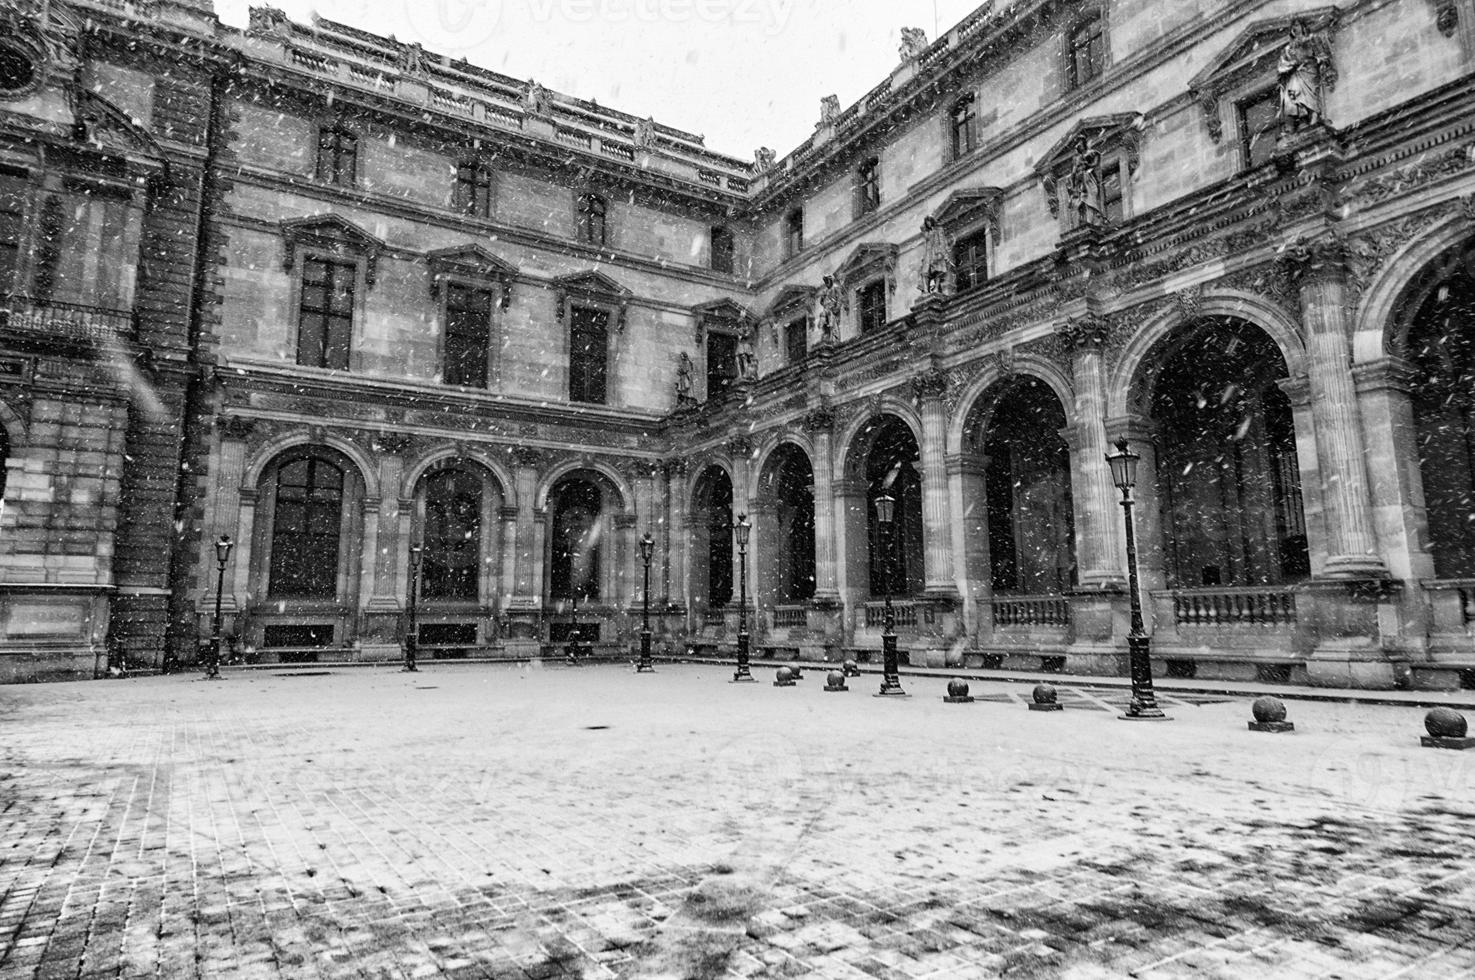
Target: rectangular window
x: 721, y: 363
x: 12, y: 227
x: 964, y: 127
x: 325, y: 326
x: 868, y: 187
x: 474, y: 190
x: 1112, y: 203
x: 970, y: 259
x: 1258, y: 116
x: 872, y: 306
x: 593, y: 219
x: 468, y: 336
x: 588, y: 366
x: 793, y: 233
x: 722, y: 249
x: 337, y: 156
x: 1087, y: 54
x: 796, y: 340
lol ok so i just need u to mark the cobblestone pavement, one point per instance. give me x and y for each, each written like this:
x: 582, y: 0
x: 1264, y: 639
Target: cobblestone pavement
x: 484, y: 821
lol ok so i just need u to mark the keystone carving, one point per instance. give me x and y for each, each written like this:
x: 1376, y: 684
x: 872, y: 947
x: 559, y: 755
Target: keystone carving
x: 1085, y: 331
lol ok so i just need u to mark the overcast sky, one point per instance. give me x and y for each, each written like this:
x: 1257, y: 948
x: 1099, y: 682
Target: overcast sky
x: 744, y: 73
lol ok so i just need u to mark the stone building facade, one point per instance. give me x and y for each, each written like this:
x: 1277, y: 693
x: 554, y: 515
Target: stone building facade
x: 435, y: 313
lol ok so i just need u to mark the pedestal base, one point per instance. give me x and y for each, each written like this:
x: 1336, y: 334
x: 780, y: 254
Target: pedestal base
x: 836, y: 690
x: 1158, y: 716
x: 962, y: 700
x: 744, y: 679
x: 1047, y: 707
x: 784, y: 684
x: 1275, y: 727
x: 1457, y: 744
x: 644, y: 669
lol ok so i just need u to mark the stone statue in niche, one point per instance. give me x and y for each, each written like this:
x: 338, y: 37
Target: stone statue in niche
x: 1304, y: 62
x: 747, y: 360
x: 913, y: 42
x: 831, y: 306
x: 1083, y: 184
x: 412, y: 59
x: 645, y: 133
x: 763, y: 160
x: 829, y: 110
x: 937, y: 258
x: 683, y: 381
x: 536, y: 100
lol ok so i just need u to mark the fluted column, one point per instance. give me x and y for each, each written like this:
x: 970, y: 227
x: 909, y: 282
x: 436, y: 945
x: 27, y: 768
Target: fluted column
x: 819, y: 424
x: 678, y: 535
x: 245, y: 535
x: 938, y: 576
x: 1100, y: 540
x: 1352, y: 548
x: 508, y: 516
x: 965, y: 477
x: 527, y: 589
x: 384, y: 530
x: 740, y: 452
x: 228, y: 513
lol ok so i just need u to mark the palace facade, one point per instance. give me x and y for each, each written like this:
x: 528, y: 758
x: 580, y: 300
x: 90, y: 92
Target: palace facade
x: 349, y: 303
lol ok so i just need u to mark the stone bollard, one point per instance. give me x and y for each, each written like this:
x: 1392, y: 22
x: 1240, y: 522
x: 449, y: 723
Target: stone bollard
x: 1447, y: 729
x: 1270, y: 716
x: 851, y: 668
x: 1044, y: 698
x: 797, y: 671
x: 835, y: 683
x: 784, y: 678
x: 957, y: 692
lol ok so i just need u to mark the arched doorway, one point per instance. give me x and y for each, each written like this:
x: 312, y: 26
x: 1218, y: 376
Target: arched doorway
x: 1028, y: 517
x: 1228, y: 477
x: 712, y: 542
x: 576, y: 561
x: 895, y: 555
x: 788, y: 495
x: 1441, y: 346
x: 455, y: 506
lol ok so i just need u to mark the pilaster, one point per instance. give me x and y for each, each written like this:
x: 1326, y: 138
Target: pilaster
x: 1100, y: 543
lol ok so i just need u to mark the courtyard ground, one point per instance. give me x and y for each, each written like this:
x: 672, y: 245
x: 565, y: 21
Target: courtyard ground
x: 521, y: 821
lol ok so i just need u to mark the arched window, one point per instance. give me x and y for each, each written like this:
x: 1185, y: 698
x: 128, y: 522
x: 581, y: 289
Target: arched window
x: 452, y: 535
x: 896, y: 552
x: 792, y: 554
x: 716, y: 502
x: 575, y: 566
x: 592, y: 219
x: 1031, y: 534
x: 306, y: 526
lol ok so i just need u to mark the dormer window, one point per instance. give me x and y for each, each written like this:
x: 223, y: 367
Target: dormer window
x: 1085, y: 51
x: 592, y: 219
x: 337, y: 156
x: 963, y: 126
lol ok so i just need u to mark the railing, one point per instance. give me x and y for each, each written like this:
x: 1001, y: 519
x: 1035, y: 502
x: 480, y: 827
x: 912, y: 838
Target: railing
x: 1031, y: 610
x: 904, y: 609
x: 503, y: 115
x: 573, y: 137
x: 878, y: 95
x: 738, y: 185
x: 1235, y: 607
x: 66, y: 321
x: 790, y: 617
x: 710, y: 178
x: 617, y: 150
x: 372, y: 76
x: 314, y: 61
x: 450, y: 101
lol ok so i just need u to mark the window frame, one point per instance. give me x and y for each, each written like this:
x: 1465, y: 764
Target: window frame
x: 721, y: 373
x: 963, y: 125
x: 1269, y: 94
x: 865, y: 310
x: 798, y: 326
x: 982, y: 236
x: 452, y: 289
x: 451, y: 470
x: 24, y: 198
x: 723, y: 234
x: 308, y: 258
x: 474, y: 189
x: 274, y: 533
x: 868, y: 187
x: 330, y: 169
x: 591, y: 222
x: 575, y: 308
x: 1092, y: 18
x: 793, y: 232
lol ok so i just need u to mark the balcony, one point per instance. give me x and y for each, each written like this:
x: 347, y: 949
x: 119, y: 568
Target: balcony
x: 1270, y: 608
x: 904, y: 609
x: 66, y: 322
x: 1030, y: 611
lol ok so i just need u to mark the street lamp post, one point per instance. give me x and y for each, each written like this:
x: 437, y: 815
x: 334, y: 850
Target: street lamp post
x: 890, y: 672
x: 1144, y: 705
x: 647, y: 548
x: 412, y: 633
x: 222, y: 556
x: 742, y: 529
x: 571, y: 652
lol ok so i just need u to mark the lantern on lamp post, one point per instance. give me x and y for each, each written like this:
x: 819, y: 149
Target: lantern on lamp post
x: 223, y: 548
x: 1144, y: 705
x: 890, y: 672
x: 742, y: 529
x: 647, y: 549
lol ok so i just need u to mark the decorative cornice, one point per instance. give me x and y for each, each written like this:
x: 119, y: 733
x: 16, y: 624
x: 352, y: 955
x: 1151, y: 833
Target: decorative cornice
x: 818, y: 420
x: 332, y: 233
x: 930, y: 384
x: 471, y: 263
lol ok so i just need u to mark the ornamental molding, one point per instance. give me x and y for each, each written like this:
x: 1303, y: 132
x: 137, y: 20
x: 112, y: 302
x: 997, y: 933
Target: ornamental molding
x: 1088, y: 332
x: 723, y: 314
x: 474, y: 264
x: 333, y: 234
x: 1425, y: 170
x: 818, y: 420
x: 930, y: 384
x: 1446, y: 16
x: 866, y: 260
x: 595, y: 288
x: 966, y: 208
x: 1101, y: 135
x: 1253, y: 56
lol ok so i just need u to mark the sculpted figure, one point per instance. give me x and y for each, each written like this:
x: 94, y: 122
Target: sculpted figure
x: 937, y: 258
x: 1302, y: 64
x: 763, y: 159
x: 645, y: 133
x: 536, y: 101
x: 829, y: 109
x: 1083, y: 184
x: 683, y: 380
x: 747, y: 361
x: 831, y: 306
x: 913, y: 42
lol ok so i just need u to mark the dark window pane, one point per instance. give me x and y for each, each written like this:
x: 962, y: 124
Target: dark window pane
x: 721, y: 363
x: 1087, y: 51
x: 872, y: 303
x: 796, y: 340
x: 576, y: 552
x: 452, y: 536
x: 964, y: 127
x: 305, y: 530
x: 1111, y: 192
x: 325, y: 321
x: 722, y: 250
x: 592, y: 226
x: 1258, y: 117
x: 868, y: 187
x: 588, y: 355
x: 794, y: 233
x: 468, y: 336
x: 474, y: 190
x: 970, y: 257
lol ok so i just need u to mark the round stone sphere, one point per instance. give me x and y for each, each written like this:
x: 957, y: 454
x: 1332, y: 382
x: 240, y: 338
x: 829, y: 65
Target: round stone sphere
x: 1269, y: 711
x: 1446, y: 723
x: 1044, y: 694
x: 957, y: 688
x: 785, y: 674
x: 850, y: 666
x: 835, y: 679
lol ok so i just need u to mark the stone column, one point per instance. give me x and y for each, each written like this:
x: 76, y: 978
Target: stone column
x: 965, y: 475
x: 527, y: 579
x: 1100, y: 539
x: 852, y: 547
x: 740, y: 451
x: 939, y: 578
x: 678, y: 535
x: 1397, y: 485
x: 245, y: 533
x: 509, y: 516
x: 228, y: 515
x: 819, y: 424
x: 1319, y: 267
x: 384, y: 531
